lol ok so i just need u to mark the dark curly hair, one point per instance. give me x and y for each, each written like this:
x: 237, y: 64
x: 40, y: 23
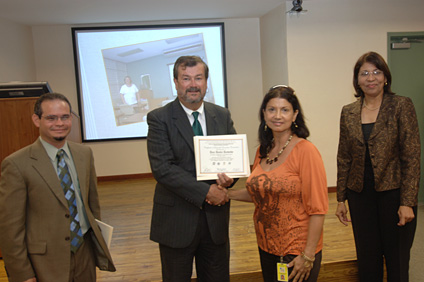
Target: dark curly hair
x: 266, y: 136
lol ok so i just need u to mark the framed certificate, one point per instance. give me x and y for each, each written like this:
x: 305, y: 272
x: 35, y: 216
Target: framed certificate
x: 221, y: 154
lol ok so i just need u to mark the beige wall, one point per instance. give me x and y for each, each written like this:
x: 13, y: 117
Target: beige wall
x: 318, y: 48
x: 324, y: 43
x: 54, y: 62
x: 274, y: 48
x: 16, y: 52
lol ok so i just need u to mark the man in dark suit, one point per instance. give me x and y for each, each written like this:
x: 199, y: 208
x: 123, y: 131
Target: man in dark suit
x: 190, y: 218
x: 49, y: 202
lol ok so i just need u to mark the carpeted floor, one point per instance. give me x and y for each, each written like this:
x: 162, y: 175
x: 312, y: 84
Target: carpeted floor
x: 416, y: 273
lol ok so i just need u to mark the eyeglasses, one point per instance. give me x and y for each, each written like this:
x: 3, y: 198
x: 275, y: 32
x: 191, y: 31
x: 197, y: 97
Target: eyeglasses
x: 367, y: 73
x: 52, y: 118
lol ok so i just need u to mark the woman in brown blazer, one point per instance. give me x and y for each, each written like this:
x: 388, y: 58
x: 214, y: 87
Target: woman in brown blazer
x: 378, y: 173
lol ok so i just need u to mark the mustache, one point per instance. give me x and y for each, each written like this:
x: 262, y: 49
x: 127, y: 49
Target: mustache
x: 193, y: 89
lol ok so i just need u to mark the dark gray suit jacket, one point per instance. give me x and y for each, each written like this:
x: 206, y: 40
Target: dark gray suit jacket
x: 179, y: 197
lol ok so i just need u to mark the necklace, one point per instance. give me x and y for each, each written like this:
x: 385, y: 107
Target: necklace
x: 268, y: 161
x: 371, y: 109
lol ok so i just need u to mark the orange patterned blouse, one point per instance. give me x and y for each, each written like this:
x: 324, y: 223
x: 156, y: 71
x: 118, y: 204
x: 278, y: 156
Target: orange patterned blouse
x: 285, y: 197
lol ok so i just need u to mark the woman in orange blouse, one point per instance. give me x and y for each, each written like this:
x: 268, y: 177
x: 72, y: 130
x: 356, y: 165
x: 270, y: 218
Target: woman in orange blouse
x: 289, y: 189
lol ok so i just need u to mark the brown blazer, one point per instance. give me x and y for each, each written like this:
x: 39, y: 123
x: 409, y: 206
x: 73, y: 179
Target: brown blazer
x: 33, y: 211
x: 394, y: 146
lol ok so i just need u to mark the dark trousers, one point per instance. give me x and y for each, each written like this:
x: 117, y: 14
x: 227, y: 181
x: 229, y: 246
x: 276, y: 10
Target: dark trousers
x: 212, y: 261
x: 269, y: 266
x: 83, y: 264
x: 374, y: 221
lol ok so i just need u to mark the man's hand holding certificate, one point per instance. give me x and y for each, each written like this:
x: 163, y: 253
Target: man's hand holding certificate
x: 221, y: 154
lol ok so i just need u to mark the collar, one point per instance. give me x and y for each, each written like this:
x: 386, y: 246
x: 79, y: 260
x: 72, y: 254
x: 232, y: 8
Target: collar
x: 52, y: 150
x: 190, y: 111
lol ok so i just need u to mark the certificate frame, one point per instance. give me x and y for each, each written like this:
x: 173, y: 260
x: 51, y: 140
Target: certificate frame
x: 221, y: 154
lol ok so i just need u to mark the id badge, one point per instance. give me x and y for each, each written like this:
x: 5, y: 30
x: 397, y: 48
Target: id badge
x: 282, y: 272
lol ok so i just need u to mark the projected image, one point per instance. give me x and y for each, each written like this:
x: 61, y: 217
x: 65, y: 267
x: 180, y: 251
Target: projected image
x: 136, y: 73
x: 125, y: 72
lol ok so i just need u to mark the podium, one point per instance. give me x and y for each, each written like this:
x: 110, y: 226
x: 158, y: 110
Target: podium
x: 16, y: 108
x: 18, y: 130
x: 16, y: 126
x: 17, y: 101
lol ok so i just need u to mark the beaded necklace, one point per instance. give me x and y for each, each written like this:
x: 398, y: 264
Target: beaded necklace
x: 268, y: 161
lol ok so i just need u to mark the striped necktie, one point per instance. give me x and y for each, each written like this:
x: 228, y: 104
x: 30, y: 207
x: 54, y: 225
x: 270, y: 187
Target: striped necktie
x: 68, y: 188
x: 197, y: 128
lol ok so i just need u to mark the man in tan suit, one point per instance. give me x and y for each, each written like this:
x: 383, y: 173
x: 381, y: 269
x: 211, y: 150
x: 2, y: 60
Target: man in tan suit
x: 47, y: 220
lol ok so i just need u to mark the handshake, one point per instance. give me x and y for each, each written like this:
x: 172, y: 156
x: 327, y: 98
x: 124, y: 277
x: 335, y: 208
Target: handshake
x: 218, y: 193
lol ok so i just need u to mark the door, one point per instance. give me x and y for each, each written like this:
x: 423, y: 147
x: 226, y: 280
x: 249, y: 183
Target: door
x: 406, y: 62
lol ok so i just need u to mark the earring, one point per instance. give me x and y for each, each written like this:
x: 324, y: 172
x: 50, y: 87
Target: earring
x: 385, y: 83
x: 295, y: 124
x: 265, y: 127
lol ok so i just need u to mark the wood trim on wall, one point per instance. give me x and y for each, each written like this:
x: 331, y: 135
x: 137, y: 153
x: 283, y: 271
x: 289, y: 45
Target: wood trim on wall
x: 150, y: 175
x: 332, y: 189
x: 124, y: 177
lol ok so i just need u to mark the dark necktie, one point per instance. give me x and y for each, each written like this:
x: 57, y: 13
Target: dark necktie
x: 68, y: 189
x: 197, y: 128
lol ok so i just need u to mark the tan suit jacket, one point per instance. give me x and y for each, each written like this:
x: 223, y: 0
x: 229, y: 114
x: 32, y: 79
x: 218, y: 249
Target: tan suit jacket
x: 34, y: 215
x: 394, y: 146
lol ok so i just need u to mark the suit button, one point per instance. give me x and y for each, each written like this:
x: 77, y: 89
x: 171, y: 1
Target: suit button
x: 67, y: 215
x: 67, y: 238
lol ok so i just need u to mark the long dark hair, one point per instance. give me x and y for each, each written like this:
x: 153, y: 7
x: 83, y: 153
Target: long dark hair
x: 265, y: 136
x: 378, y: 61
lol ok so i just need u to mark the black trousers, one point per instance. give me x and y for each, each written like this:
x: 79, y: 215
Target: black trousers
x: 377, y: 236
x: 212, y: 261
x: 269, y: 266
